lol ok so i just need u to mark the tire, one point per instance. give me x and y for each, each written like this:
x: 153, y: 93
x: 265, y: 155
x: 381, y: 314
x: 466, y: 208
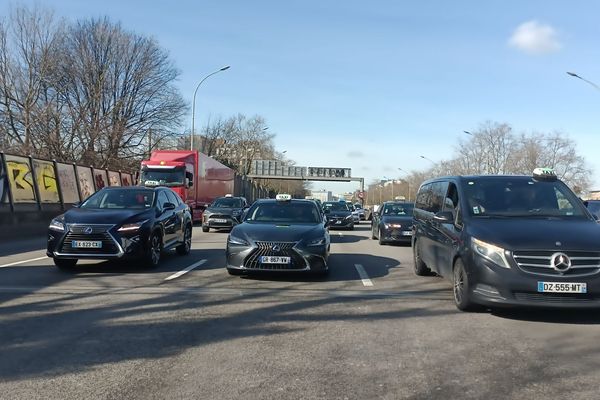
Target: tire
x: 65, y: 264
x: 153, y: 253
x: 421, y: 268
x: 205, y: 229
x: 235, y: 272
x: 351, y: 227
x: 381, y: 241
x: 184, y: 248
x: 461, y: 288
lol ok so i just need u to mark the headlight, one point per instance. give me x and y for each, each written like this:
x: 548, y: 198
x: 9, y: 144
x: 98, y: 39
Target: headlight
x: 132, y: 227
x: 57, y: 224
x: 493, y: 253
x: 237, y: 241
x: 317, y: 242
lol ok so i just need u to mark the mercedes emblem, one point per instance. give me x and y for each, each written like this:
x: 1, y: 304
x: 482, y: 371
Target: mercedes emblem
x: 560, y: 262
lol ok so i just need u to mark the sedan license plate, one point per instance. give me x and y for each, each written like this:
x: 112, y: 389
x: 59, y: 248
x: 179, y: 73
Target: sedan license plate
x: 275, y: 260
x: 219, y: 221
x: 86, y: 244
x: 561, y: 287
x: 406, y: 233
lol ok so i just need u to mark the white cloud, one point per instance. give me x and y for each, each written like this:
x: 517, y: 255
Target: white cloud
x: 533, y: 37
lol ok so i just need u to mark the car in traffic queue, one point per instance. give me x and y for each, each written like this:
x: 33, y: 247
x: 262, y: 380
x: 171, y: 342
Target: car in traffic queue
x: 393, y: 223
x: 354, y: 211
x: 508, y: 241
x: 361, y: 212
x: 338, y: 215
x: 281, y: 234
x: 121, y: 223
x: 224, y: 213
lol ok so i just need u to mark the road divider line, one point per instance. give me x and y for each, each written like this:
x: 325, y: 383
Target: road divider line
x: 363, y: 275
x: 185, y: 270
x: 23, y: 262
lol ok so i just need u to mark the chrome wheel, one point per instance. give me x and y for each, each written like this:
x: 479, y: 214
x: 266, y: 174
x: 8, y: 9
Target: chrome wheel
x: 188, y: 239
x: 155, y: 249
x: 459, y: 284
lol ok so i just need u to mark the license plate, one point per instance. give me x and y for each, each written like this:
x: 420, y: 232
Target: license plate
x: 407, y: 233
x: 86, y: 244
x: 275, y: 260
x: 219, y: 221
x: 561, y: 287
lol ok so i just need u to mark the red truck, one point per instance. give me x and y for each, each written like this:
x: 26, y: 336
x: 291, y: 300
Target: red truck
x: 196, y: 177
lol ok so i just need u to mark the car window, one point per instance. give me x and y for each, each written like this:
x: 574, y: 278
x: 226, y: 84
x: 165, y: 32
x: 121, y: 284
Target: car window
x: 172, y: 197
x: 284, y: 212
x: 161, y: 200
x: 514, y: 197
x: 594, y: 207
x: 335, y: 206
x: 424, y: 197
x: 227, y: 202
x: 392, y: 209
x: 120, y: 199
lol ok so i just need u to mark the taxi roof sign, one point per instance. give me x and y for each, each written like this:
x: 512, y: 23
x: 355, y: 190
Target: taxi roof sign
x: 228, y: 195
x: 544, y: 173
x: 283, y: 197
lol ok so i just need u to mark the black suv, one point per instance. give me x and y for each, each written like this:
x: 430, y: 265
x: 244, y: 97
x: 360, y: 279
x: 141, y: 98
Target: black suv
x: 508, y: 240
x: 116, y: 223
x: 225, y: 212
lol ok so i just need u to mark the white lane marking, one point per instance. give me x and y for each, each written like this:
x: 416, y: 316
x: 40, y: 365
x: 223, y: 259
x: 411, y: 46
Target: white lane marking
x: 185, y: 270
x: 363, y: 275
x: 23, y: 262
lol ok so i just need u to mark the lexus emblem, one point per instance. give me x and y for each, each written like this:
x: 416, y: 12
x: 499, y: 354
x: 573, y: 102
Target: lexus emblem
x: 276, y: 248
x: 88, y: 230
x: 560, y: 262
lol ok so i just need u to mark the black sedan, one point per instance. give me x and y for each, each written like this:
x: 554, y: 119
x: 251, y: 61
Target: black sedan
x: 116, y: 223
x: 224, y: 212
x: 393, y: 222
x: 279, y: 235
x: 338, y: 215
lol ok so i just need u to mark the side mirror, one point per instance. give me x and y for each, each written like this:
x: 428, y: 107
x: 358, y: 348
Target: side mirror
x: 168, y: 206
x: 76, y: 204
x: 445, y: 217
x: 189, y: 179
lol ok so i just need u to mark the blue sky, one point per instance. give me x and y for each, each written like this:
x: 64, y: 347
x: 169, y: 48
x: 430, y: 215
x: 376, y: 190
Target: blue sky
x: 391, y: 80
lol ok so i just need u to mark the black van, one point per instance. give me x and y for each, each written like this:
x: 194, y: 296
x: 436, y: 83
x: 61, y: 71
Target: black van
x: 508, y: 240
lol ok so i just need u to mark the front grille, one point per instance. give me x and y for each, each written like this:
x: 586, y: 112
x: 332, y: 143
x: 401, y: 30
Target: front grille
x: 538, y: 262
x: 108, y: 244
x: 96, y: 228
x: 266, y: 249
x: 555, y: 297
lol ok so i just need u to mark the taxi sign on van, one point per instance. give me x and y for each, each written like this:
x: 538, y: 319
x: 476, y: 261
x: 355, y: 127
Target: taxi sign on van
x: 544, y: 173
x: 283, y: 197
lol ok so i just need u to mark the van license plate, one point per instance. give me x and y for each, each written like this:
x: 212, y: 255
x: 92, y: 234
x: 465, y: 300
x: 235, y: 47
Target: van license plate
x: 86, y: 244
x: 275, y: 260
x: 561, y: 287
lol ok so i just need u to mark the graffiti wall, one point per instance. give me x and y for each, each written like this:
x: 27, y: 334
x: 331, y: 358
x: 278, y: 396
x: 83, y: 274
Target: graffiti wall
x: 86, y: 182
x: 100, y: 178
x: 126, y: 179
x: 68, y: 183
x: 20, y: 179
x: 46, y: 181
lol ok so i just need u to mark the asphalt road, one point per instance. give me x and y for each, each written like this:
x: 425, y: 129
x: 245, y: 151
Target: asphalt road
x: 121, y: 331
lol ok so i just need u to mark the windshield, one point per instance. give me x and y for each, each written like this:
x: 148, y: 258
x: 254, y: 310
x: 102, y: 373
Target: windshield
x: 170, y: 177
x: 335, y: 206
x: 227, y: 202
x: 120, y: 199
x: 514, y: 197
x: 398, y: 209
x: 284, y: 212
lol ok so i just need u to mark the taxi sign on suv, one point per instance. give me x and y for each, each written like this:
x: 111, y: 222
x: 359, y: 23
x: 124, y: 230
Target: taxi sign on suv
x: 508, y: 241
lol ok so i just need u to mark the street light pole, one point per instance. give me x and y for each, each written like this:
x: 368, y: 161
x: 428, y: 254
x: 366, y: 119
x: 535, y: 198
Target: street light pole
x: 574, y: 75
x: 428, y: 159
x: 194, y: 102
x: 407, y: 182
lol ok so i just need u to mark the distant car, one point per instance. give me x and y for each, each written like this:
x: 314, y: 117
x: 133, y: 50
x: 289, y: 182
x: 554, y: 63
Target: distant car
x: 393, y: 223
x: 338, y: 215
x: 279, y: 235
x: 354, y: 211
x: 361, y: 211
x: 121, y: 222
x: 225, y: 212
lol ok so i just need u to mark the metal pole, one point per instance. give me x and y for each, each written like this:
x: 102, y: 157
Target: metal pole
x: 36, y: 189
x: 11, y: 200
x: 58, y: 186
x: 194, y: 103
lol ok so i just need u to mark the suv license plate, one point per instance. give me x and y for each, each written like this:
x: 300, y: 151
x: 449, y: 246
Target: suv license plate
x: 219, y: 221
x: 86, y: 244
x: 275, y: 260
x: 561, y: 287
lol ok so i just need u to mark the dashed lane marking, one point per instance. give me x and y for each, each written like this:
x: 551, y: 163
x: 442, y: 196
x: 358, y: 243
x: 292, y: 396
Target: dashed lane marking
x: 23, y: 262
x: 185, y: 270
x: 363, y: 275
